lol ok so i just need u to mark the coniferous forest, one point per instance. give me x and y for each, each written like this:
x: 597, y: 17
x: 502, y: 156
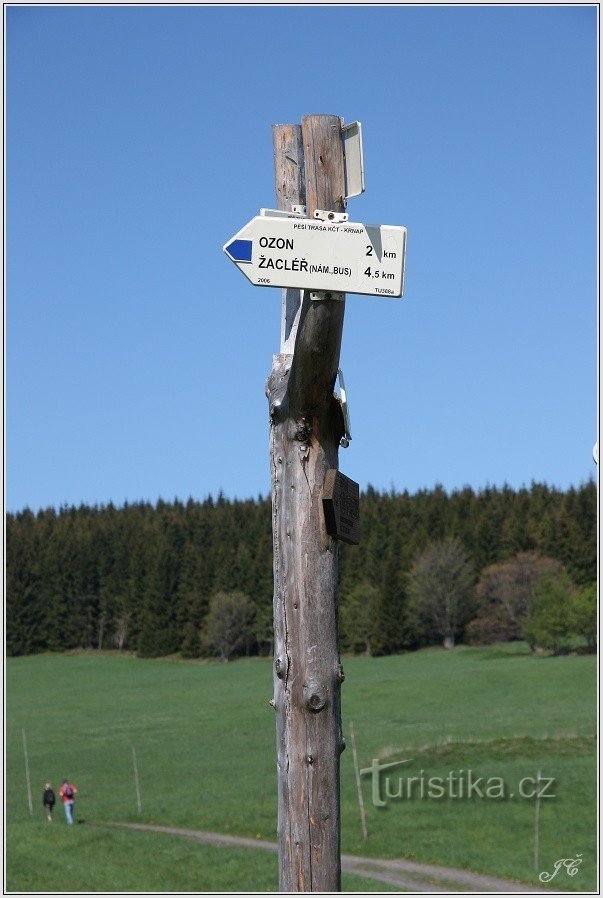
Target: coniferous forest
x: 142, y: 577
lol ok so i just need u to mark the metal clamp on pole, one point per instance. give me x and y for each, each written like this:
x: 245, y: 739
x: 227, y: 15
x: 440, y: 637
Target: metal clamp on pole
x: 321, y: 295
x: 335, y: 217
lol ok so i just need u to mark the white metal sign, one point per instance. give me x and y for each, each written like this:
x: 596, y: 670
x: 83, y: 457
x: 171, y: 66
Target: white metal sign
x: 353, y: 158
x: 346, y: 257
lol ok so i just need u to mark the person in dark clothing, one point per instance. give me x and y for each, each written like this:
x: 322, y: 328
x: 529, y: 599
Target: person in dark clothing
x: 49, y: 799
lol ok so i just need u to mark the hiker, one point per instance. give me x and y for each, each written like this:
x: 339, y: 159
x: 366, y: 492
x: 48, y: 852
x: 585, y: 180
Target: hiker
x: 68, y: 793
x: 49, y: 801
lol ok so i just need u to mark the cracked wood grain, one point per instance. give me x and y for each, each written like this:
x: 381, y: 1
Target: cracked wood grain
x: 306, y: 424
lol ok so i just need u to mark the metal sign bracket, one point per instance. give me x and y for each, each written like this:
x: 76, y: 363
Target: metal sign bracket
x: 318, y: 295
x: 280, y: 213
x: 335, y: 217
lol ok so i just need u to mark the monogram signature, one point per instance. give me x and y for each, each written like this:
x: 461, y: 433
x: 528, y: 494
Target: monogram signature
x: 571, y: 865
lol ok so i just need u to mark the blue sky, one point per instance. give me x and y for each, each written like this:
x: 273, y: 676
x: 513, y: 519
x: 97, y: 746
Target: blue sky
x: 139, y: 140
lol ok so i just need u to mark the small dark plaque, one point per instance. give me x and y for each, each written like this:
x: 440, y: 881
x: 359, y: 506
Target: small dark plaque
x: 341, y: 504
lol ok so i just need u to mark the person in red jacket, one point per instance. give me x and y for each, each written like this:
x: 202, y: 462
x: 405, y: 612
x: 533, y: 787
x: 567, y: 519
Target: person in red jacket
x: 68, y: 793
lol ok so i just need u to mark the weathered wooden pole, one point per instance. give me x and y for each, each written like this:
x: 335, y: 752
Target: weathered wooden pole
x: 537, y: 827
x: 358, y: 782
x: 136, y: 781
x: 27, y: 779
x: 306, y: 425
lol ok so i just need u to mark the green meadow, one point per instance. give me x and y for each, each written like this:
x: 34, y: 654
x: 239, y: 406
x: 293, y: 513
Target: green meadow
x: 204, y: 740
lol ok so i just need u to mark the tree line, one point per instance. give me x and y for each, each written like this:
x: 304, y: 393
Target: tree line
x: 160, y: 579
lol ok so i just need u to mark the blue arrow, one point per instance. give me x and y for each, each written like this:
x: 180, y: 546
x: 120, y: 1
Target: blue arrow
x: 239, y: 250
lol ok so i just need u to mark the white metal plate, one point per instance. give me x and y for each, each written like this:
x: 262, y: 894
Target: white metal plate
x: 353, y: 160
x: 348, y: 257
x: 344, y: 405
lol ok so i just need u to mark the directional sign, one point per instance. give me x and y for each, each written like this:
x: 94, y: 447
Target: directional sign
x: 344, y: 257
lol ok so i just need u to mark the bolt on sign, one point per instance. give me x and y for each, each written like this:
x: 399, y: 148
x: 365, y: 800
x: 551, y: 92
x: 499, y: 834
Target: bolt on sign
x: 343, y: 257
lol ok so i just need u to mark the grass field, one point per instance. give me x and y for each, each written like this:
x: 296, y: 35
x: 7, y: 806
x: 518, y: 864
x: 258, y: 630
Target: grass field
x: 85, y: 860
x: 204, y: 738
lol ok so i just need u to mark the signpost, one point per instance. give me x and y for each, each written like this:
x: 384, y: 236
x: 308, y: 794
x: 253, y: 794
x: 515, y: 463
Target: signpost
x: 315, y: 254
x: 309, y: 248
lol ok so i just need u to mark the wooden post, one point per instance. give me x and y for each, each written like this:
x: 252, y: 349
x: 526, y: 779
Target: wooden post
x: 289, y: 174
x: 306, y: 424
x: 537, y: 827
x: 27, y: 779
x: 358, y: 783
x: 136, y: 781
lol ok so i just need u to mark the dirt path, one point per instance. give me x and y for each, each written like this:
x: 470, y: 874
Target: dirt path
x: 421, y: 878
